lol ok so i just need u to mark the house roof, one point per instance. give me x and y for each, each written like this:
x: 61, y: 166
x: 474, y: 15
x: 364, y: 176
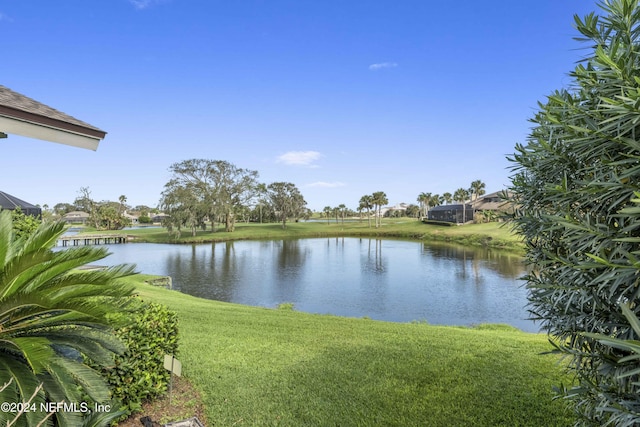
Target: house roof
x: 24, y: 116
x: 76, y: 214
x: 493, y: 201
x: 7, y: 201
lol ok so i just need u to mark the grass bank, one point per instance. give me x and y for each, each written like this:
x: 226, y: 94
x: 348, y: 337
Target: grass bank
x: 257, y: 366
x: 495, y: 235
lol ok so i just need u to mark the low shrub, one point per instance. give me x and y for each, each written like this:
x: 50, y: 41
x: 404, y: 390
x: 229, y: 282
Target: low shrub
x: 139, y: 373
x: 144, y: 219
x: 286, y: 306
x: 164, y: 281
x: 435, y: 222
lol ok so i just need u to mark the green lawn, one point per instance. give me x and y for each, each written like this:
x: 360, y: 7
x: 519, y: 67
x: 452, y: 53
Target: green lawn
x: 257, y: 366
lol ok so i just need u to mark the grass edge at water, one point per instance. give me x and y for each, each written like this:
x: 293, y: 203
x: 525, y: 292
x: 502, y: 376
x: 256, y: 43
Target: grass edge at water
x: 258, y: 366
x: 492, y: 235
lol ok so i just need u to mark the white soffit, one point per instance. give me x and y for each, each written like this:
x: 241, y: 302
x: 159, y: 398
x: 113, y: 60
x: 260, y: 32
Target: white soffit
x: 32, y: 130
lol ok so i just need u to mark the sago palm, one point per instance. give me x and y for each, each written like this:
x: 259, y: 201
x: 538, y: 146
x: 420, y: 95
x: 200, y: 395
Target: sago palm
x: 53, y: 318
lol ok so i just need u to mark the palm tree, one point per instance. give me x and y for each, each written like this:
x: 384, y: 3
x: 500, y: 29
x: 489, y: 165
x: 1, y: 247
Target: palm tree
x: 54, y: 320
x: 342, y: 208
x: 477, y: 189
x: 379, y: 199
x: 366, y: 202
x: 448, y: 198
x: 435, y: 200
x: 123, y: 200
x: 461, y: 195
x: 327, y: 212
x: 423, y: 199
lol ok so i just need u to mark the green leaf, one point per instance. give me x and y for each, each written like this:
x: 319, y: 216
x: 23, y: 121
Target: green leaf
x: 631, y: 317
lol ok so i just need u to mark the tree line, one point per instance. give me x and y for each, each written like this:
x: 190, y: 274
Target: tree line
x: 373, y: 204
x: 203, y: 191
x: 199, y: 192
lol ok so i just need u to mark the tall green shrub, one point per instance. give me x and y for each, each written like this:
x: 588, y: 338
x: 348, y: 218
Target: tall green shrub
x: 573, y: 185
x: 139, y: 373
x: 23, y: 224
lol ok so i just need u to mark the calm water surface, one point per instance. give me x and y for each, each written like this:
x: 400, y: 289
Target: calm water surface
x: 392, y: 280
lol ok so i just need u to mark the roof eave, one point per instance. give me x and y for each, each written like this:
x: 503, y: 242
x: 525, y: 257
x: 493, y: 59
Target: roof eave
x: 78, y: 137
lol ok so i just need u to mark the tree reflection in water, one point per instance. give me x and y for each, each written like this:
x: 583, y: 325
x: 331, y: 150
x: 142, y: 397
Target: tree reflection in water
x: 391, y: 280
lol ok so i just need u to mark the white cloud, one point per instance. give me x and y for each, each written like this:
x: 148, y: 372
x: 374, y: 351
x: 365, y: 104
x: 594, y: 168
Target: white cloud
x: 140, y: 4
x: 300, y: 158
x: 381, y: 65
x: 143, y: 4
x: 323, y: 184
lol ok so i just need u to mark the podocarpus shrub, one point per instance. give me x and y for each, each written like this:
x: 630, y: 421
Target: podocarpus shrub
x: 139, y: 373
x: 573, y: 186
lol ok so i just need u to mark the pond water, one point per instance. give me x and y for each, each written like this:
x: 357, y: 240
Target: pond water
x: 391, y: 280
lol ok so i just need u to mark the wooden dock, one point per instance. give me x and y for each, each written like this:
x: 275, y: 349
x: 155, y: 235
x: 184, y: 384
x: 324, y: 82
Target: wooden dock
x: 93, y: 239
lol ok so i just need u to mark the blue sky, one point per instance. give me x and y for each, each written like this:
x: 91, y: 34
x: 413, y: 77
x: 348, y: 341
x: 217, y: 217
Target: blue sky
x: 342, y: 98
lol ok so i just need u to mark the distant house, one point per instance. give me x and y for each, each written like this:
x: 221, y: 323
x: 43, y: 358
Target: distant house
x: 493, y: 202
x: 76, y: 217
x: 131, y: 218
x: 397, y: 207
x: 9, y: 202
x: 157, y: 219
x: 458, y: 214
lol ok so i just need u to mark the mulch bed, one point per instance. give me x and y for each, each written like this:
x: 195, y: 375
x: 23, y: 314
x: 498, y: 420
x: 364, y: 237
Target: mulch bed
x: 185, y: 403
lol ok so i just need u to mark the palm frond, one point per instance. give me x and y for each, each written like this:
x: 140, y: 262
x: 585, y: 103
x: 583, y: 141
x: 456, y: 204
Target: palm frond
x: 6, y: 232
x: 18, y: 270
x: 43, y: 273
x: 60, y: 387
x: 102, y: 419
x: 99, y: 347
x: 23, y: 386
x: 35, y: 350
x: 45, y: 236
x: 90, y: 380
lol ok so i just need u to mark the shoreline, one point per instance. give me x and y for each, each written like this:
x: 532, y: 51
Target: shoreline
x: 488, y: 235
x: 267, y: 362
